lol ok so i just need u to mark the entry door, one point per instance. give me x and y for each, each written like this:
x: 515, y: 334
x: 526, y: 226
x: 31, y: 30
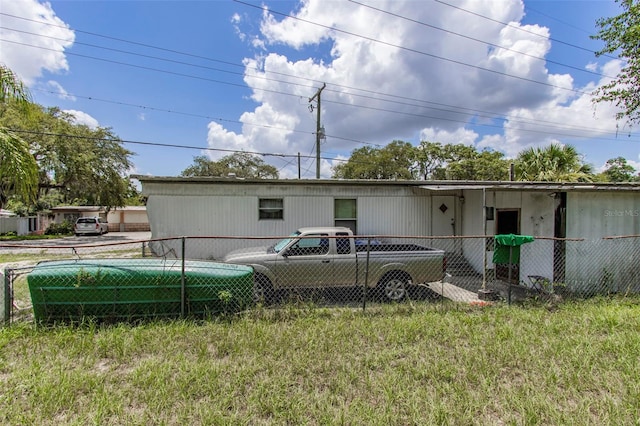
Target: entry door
x: 443, y: 215
x: 508, y: 222
x: 443, y: 221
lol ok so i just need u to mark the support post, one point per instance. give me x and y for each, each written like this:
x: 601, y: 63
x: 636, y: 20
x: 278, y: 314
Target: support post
x: 7, y: 305
x: 366, y: 274
x: 183, y: 292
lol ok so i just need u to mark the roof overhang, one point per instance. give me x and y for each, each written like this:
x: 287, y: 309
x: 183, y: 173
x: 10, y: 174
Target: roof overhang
x: 438, y: 186
x: 533, y: 186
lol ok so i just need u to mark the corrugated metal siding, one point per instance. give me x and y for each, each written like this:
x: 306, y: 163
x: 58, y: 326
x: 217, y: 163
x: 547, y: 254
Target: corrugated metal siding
x: 599, y: 263
x: 187, y: 212
x: 171, y: 216
x: 394, y: 215
x: 596, y: 215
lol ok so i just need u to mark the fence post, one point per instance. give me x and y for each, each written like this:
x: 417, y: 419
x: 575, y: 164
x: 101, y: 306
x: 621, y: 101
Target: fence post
x: 6, y: 306
x: 366, y: 274
x: 182, y: 283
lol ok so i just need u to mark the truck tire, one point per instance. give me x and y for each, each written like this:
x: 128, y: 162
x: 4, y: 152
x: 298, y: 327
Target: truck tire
x: 393, y: 287
x: 262, y: 289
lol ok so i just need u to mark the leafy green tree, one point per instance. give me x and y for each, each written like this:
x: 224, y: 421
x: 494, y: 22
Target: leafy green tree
x: 484, y: 165
x: 396, y: 161
x: 459, y: 162
x: 18, y: 168
x: 618, y: 170
x: 86, y: 166
x: 240, y: 164
x: 554, y: 163
x: 44, y: 203
x: 621, y: 36
x: 431, y: 159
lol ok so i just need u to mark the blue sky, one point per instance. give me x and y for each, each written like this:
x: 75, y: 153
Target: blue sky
x: 221, y: 76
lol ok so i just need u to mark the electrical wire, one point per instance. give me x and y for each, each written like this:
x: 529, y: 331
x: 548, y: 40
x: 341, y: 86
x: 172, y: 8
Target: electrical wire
x: 540, y: 58
x: 489, y: 115
x: 408, y: 49
x: 507, y: 24
x: 472, y: 112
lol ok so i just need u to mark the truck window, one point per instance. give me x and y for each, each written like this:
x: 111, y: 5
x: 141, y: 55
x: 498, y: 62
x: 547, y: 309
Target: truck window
x: 310, y: 246
x: 343, y: 245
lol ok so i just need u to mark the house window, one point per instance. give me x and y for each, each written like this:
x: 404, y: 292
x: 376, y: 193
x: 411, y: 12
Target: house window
x: 271, y: 208
x: 345, y: 213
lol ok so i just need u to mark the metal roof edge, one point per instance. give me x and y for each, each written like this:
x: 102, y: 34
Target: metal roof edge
x: 445, y: 185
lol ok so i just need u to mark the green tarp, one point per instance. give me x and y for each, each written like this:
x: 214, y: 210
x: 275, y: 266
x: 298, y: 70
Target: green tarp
x: 507, y: 248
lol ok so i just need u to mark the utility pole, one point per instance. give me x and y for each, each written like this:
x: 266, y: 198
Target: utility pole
x: 318, y: 127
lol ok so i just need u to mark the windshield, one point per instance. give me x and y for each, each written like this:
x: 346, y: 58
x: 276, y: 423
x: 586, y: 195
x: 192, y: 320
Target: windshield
x: 283, y: 243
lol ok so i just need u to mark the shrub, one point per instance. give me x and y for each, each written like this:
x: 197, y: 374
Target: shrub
x: 63, y: 228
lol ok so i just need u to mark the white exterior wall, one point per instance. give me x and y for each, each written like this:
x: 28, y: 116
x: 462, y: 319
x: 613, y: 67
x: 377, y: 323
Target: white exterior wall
x: 537, y: 216
x: 19, y: 225
x: 537, y: 219
x: 595, y: 215
x: 472, y: 224
x: 202, y: 208
x: 404, y: 215
x: 8, y: 224
x: 599, y: 263
x: 188, y: 209
x: 130, y: 216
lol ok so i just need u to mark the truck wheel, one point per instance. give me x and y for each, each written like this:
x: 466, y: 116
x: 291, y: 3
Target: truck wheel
x: 262, y: 289
x: 393, y: 287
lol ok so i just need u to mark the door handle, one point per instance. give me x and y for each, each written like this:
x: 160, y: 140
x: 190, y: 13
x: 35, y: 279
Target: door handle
x: 326, y: 261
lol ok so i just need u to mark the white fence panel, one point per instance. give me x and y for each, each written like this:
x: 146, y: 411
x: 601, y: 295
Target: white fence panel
x: 8, y: 224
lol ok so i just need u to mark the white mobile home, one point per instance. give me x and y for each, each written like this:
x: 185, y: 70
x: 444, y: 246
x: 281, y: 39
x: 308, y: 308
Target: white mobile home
x: 181, y: 206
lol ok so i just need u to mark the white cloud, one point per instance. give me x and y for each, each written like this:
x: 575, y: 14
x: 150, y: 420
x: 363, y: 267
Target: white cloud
x: 592, y: 66
x: 412, y: 79
x: 19, y: 48
x: 83, y: 118
x: 59, y: 91
x: 458, y: 136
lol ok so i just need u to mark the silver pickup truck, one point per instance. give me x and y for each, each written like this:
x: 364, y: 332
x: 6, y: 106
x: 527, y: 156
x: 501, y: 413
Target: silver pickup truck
x: 326, y: 257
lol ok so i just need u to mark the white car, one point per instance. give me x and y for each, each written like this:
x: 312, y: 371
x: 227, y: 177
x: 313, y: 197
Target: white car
x: 91, y: 225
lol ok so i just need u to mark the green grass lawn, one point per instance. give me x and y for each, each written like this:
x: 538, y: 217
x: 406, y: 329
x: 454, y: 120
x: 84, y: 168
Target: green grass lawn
x: 424, y: 363
x: 9, y: 258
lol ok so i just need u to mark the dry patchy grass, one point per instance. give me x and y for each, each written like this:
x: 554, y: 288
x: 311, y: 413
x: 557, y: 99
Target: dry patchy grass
x: 396, y: 364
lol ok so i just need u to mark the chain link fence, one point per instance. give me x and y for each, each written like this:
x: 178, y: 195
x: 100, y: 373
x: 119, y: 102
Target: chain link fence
x: 206, y: 276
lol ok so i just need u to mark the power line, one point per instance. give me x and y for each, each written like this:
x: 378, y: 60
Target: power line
x: 486, y: 114
x: 336, y: 137
x: 540, y: 58
x: 565, y: 23
x: 508, y: 24
x: 168, y: 145
x: 208, y: 117
x: 431, y: 55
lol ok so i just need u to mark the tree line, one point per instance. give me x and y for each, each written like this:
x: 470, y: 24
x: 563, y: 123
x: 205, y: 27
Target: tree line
x: 436, y: 161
